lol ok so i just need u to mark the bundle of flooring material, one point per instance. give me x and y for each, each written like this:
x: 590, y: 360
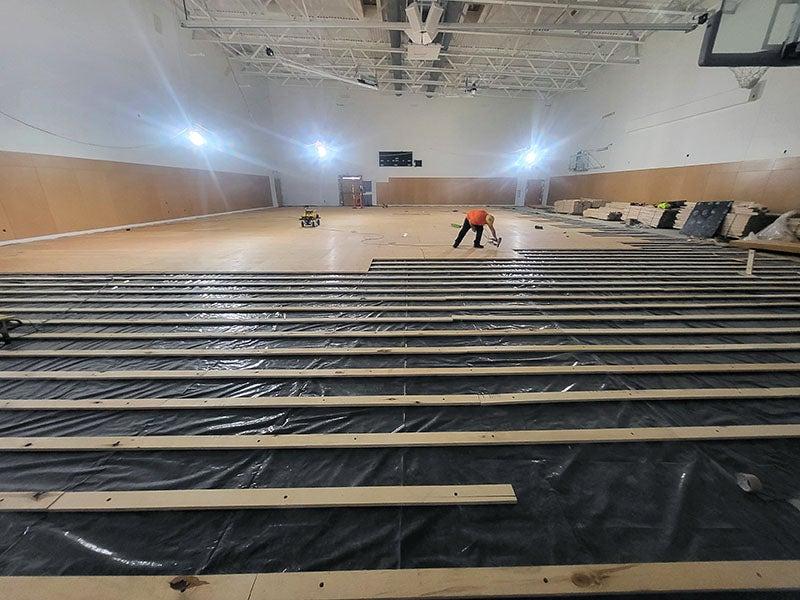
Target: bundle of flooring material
x: 572, y: 207
x: 611, y: 211
x: 744, y: 218
x: 633, y: 212
x: 683, y: 214
x: 596, y: 203
x: 740, y: 225
x: 652, y: 216
x: 748, y: 208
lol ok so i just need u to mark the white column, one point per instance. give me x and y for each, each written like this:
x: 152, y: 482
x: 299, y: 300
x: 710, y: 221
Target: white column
x: 522, y: 190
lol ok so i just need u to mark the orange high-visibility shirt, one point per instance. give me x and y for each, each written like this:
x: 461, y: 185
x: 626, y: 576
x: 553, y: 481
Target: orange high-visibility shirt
x: 477, y: 217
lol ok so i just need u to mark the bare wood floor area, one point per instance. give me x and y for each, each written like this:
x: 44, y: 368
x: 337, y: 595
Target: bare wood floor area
x: 272, y: 240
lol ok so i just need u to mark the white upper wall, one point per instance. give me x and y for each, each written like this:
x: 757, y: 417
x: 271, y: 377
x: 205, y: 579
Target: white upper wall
x: 98, y: 71
x: 454, y: 137
x: 668, y: 77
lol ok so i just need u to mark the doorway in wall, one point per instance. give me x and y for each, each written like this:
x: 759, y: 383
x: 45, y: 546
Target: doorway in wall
x: 533, y: 192
x: 351, y: 188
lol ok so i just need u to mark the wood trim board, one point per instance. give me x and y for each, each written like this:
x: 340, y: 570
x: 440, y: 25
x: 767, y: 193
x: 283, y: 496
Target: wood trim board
x: 534, y: 269
x: 521, y: 297
x: 730, y: 279
x: 472, y: 317
x: 504, y: 371
x: 526, y: 285
x: 256, y: 498
x: 776, y: 300
x: 424, y: 439
x: 400, y: 350
x: 356, y: 334
x: 600, y: 275
x: 693, y: 394
x: 418, y: 584
x: 769, y: 246
x: 467, y: 314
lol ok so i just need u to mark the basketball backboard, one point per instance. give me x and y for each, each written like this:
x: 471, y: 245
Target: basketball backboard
x: 757, y: 33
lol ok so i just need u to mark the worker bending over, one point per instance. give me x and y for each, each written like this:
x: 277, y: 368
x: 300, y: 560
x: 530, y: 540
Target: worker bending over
x: 476, y: 219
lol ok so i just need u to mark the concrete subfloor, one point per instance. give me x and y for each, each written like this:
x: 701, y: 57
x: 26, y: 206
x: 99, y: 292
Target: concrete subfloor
x: 272, y: 240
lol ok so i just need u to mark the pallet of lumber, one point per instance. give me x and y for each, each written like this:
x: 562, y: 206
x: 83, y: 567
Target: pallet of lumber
x: 572, y: 207
x: 741, y: 224
x: 595, y: 202
x: 652, y: 216
x: 683, y: 214
x: 604, y: 214
x: 611, y: 211
x: 745, y: 218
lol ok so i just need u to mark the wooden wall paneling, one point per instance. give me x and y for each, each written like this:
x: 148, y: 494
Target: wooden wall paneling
x: 6, y: 232
x: 45, y: 195
x: 174, y: 195
x: 788, y: 162
x: 693, y: 183
x: 719, y: 185
x: 750, y: 186
x: 234, y: 189
x: 16, y: 159
x: 135, y: 193
x: 98, y: 198
x: 24, y: 202
x: 756, y: 165
x: 773, y: 183
x: 475, y: 191
x: 198, y: 189
x: 662, y: 185
x: 782, y: 191
x: 65, y: 199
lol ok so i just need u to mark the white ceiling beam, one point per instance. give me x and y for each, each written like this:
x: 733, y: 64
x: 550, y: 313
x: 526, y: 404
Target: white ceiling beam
x: 463, y: 28
x: 587, y: 6
x: 456, y: 70
x: 566, y: 56
x: 421, y: 83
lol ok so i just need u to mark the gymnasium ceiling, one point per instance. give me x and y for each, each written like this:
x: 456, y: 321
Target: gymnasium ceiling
x: 498, y: 48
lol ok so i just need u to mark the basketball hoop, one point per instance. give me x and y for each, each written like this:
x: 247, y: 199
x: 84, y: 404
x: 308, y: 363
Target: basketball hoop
x: 748, y: 77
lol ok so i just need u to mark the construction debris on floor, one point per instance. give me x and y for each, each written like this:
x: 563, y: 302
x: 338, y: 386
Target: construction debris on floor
x: 742, y: 219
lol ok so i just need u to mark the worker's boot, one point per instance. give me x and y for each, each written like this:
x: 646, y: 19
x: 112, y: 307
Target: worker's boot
x: 478, y: 246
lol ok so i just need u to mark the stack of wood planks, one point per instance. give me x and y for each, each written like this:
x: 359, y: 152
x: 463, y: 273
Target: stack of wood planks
x: 576, y: 206
x: 683, y: 214
x: 744, y: 218
x: 572, y: 207
x: 611, y: 211
x: 652, y: 216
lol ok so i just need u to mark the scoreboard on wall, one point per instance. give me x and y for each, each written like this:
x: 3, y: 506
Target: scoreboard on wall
x: 396, y: 159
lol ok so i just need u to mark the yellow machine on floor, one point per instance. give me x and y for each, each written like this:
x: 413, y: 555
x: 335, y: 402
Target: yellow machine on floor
x: 310, y: 218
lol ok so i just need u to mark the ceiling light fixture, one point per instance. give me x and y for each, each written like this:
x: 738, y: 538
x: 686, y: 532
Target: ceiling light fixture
x: 321, y: 149
x: 197, y: 138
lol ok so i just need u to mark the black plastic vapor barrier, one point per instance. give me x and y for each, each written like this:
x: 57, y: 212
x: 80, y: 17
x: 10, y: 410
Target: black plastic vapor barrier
x: 583, y: 503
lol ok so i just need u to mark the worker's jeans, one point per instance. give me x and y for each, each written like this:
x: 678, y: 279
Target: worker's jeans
x: 464, y: 229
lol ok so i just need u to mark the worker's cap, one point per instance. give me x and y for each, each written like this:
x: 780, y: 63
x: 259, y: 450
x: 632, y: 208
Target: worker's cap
x: 490, y: 219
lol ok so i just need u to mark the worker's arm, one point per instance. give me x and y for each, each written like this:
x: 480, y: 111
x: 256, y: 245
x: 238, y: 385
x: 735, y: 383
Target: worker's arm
x: 491, y: 228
